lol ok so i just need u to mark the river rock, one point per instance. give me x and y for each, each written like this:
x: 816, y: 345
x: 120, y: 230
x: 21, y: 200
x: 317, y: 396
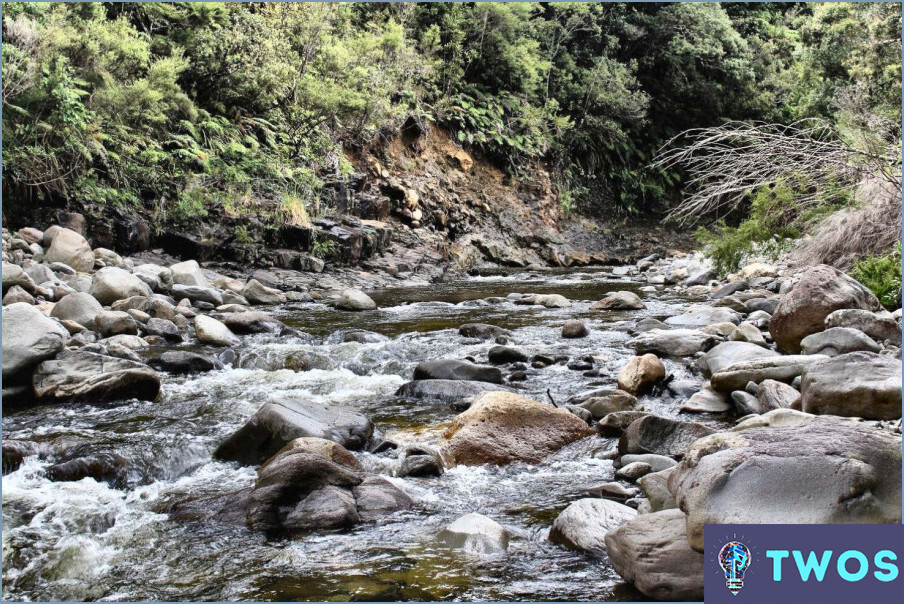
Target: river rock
x: 94, y: 377
x: 615, y: 424
x: 197, y: 293
x: 652, y: 552
x: 857, y: 384
x: 188, y: 273
x: 552, y: 300
x: 601, y: 406
x: 167, y: 330
x: 182, y: 361
x: 376, y: 497
x: 838, y: 340
x: 748, y: 332
x: 612, y: 490
x: 672, y: 342
x: 277, y: 423
x: 656, y: 462
x: 802, y: 311
x: 501, y: 355
x: 647, y: 324
x: 71, y: 249
x: 633, y: 471
x: 583, y: 524
x: 875, y: 325
x: 702, y: 277
x: 446, y: 391
x: 502, y: 427
x: 452, y: 369
x: 622, y: 300
x: 211, y: 331
x: 730, y: 353
x: 780, y: 368
x: 706, y: 400
x: 778, y: 475
x: 14, y: 275
x: 158, y: 278
x: 482, y: 331
x: 112, y: 323
x: 655, y: 486
x: 355, y: 300
x: 257, y: 293
x: 29, y: 337
x: 475, y: 533
x: 112, y: 283
x: 660, y: 435
x: 17, y: 294
x: 640, y: 373
x: 574, y: 329
x: 253, y: 322
x: 154, y: 307
x: 773, y: 394
x: 701, y: 315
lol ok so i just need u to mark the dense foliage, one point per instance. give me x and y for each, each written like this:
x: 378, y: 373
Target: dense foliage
x: 882, y: 274
x: 177, y: 106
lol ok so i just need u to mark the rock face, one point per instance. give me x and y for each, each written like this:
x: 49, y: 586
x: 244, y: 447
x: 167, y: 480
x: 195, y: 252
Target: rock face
x: 652, y: 552
x: 71, y: 249
x: 803, y: 310
x: 80, y: 307
x: 583, y: 525
x: 95, y: 377
x: 451, y: 369
x: 28, y: 338
x: 672, y: 342
x: 211, y: 331
x: 779, y: 475
x: 501, y: 428
x: 446, y: 391
x: 355, y: 300
x: 858, y: 384
x: 622, y: 300
x: 111, y: 284
x: 640, y: 373
x: 315, y: 484
x: 838, y: 340
x: 477, y: 534
x: 661, y: 435
x: 277, y: 423
x: 779, y: 368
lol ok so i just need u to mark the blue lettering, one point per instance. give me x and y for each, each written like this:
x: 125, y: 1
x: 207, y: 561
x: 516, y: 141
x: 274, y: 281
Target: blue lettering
x: 842, y: 565
x: 777, y: 556
x: 891, y: 569
x: 818, y: 568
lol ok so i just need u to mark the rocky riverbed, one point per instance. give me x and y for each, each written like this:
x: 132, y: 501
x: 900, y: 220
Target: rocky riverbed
x: 170, y: 432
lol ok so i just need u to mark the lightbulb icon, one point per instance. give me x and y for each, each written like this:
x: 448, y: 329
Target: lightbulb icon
x: 734, y: 558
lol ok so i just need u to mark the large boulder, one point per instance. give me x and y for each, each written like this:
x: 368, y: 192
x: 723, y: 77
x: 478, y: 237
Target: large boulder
x: 477, y: 534
x: 857, y: 384
x: 13, y: 275
x: 623, y: 300
x: 803, y: 310
x: 94, y: 377
x: 640, y: 374
x: 211, y: 331
x: 875, y: 325
x: 452, y: 369
x: 188, y: 273
x: 71, y: 249
x: 355, y: 300
x: 113, y: 322
x: 838, y: 340
x: 446, y: 391
x: 817, y: 470
x: 672, y: 342
x: 574, y: 329
x: 197, y: 293
x: 257, y: 293
x: 112, y: 283
x: 583, y: 524
x: 779, y: 368
x: 277, y: 423
x: 661, y: 435
x: 80, y: 307
x: 158, y: 278
x: 729, y: 353
x: 502, y: 427
x: 702, y: 315
x: 28, y: 338
x: 652, y: 552
x: 772, y: 394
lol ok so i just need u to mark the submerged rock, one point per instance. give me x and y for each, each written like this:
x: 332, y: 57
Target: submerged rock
x: 574, y: 329
x: 476, y: 533
x: 446, y: 391
x: 483, y: 331
x: 452, y: 369
x: 583, y: 525
x: 622, y: 300
x: 94, y: 377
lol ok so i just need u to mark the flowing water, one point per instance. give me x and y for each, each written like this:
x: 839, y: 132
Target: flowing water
x: 145, y: 535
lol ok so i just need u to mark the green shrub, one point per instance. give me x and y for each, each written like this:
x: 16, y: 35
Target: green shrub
x: 882, y: 275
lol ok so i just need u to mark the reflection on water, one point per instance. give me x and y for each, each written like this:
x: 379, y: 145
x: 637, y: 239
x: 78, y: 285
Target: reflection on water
x: 88, y: 540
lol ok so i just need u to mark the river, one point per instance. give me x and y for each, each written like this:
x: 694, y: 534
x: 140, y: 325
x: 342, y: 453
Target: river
x: 142, y: 536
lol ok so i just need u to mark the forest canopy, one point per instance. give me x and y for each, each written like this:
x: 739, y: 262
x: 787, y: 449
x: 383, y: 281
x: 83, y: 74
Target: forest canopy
x: 176, y: 106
